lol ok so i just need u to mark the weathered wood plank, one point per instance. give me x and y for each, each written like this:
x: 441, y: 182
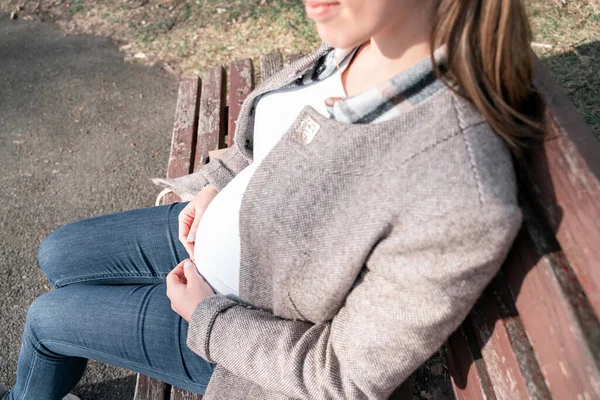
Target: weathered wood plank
x: 565, y: 185
x: 565, y: 341
x: 240, y: 84
x: 183, y: 142
x: 147, y: 388
x: 555, y: 283
x: 295, y: 57
x: 184, y: 128
x: 211, y: 122
x: 509, y: 358
x: 210, y: 138
x: 180, y: 394
x: 269, y: 64
x: 470, y: 380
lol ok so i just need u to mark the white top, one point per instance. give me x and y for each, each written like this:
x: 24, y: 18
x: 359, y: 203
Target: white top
x: 217, y: 245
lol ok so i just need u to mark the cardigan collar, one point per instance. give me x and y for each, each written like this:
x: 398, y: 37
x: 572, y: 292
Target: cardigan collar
x: 382, y: 102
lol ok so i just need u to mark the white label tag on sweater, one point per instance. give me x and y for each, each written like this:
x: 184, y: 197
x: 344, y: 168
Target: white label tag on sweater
x: 308, y: 129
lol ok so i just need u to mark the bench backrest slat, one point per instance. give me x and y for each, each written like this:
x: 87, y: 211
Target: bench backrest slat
x: 547, y: 326
x: 241, y: 84
x: 547, y: 312
x: 510, y: 362
x: 565, y: 178
x: 269, y: 64
x: 470, y: 379
x: 185, y: 126
x: 212, y: 119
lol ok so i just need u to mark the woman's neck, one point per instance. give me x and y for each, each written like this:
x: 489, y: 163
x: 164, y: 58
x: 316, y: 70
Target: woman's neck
x: 388, y: 53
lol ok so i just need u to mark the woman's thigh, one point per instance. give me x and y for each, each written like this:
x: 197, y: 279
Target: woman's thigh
x: 130, y: 326
x: 137, y: 246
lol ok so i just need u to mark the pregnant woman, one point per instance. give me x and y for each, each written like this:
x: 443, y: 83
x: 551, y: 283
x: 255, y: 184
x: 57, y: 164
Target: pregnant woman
x: 367, y: 200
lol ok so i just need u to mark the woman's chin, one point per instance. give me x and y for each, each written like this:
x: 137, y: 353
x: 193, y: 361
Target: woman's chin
x: 338, y: 38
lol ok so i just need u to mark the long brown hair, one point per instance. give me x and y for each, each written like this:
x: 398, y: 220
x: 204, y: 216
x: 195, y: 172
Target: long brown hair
x: 489, y: 59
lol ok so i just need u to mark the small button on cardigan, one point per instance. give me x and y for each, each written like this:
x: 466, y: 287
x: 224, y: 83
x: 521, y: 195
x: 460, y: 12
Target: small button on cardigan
x: 361, y: 251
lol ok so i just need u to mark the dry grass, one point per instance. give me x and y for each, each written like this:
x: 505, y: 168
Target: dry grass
x: 187, y: 36
x: 568, y: 42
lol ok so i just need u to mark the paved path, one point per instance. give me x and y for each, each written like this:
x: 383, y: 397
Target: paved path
x: 81, y: 132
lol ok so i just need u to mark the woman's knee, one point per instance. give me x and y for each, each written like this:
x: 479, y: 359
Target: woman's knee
x: 51, y: 319
x: 42, y: 316
x: 55, y: 249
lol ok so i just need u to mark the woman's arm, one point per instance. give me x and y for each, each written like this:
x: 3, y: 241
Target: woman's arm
x: 218, y: 172
x: 420, y: 283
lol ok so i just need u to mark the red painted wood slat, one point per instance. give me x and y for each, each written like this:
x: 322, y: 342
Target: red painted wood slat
x: 180, y: 163
x: 184, y: 128
x: 295, y: 57
x: 269, y: 64
x: 565, y: 179
x: 564, y: 349
x: 211, y: 122
x: 240, y: 84
x: 509, y: 358
x: 467, y: 369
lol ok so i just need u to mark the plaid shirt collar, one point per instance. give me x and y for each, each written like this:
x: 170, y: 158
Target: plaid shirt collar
x: 385, y: 101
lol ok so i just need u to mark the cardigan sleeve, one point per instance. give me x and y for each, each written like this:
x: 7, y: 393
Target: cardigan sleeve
x: 218, y: 172
x: 418, y: 285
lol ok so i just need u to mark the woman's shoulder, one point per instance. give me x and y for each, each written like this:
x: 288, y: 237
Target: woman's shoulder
x: 470, y: 162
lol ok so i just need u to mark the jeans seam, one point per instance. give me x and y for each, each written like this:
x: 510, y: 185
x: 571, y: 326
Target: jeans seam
x: 30, y: 371
x: 63, y: 282
x: 126, y: 251
x: 119, y: 358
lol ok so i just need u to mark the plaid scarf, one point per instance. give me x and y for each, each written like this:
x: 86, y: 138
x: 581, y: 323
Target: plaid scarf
x: 382, y: 102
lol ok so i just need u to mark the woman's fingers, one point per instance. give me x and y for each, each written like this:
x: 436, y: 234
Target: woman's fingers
x: 186, y: 219
x: 191, y: 237
x: 177, y: 275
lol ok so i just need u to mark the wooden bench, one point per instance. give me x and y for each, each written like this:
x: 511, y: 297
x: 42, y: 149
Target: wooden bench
x: 534, y: 333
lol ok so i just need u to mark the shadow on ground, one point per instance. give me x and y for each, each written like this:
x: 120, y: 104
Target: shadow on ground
x: 578, y: 72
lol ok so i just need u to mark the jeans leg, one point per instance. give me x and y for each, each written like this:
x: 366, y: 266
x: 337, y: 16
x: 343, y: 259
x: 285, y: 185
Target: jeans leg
x: 136, y: 246
x: 130, y: 326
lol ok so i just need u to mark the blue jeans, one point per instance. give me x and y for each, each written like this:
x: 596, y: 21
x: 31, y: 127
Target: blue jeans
x: 109, y: 303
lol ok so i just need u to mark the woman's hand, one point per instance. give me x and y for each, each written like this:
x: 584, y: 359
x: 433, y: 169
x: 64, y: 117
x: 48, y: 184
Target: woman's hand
x: 186, y: 288
x: 190, y: 216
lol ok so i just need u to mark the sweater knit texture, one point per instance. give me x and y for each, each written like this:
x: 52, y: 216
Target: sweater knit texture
x: 362, y: 249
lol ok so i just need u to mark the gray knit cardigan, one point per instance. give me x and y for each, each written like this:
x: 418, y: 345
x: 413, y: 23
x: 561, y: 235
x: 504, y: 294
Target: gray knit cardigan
x: 363, y: 246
